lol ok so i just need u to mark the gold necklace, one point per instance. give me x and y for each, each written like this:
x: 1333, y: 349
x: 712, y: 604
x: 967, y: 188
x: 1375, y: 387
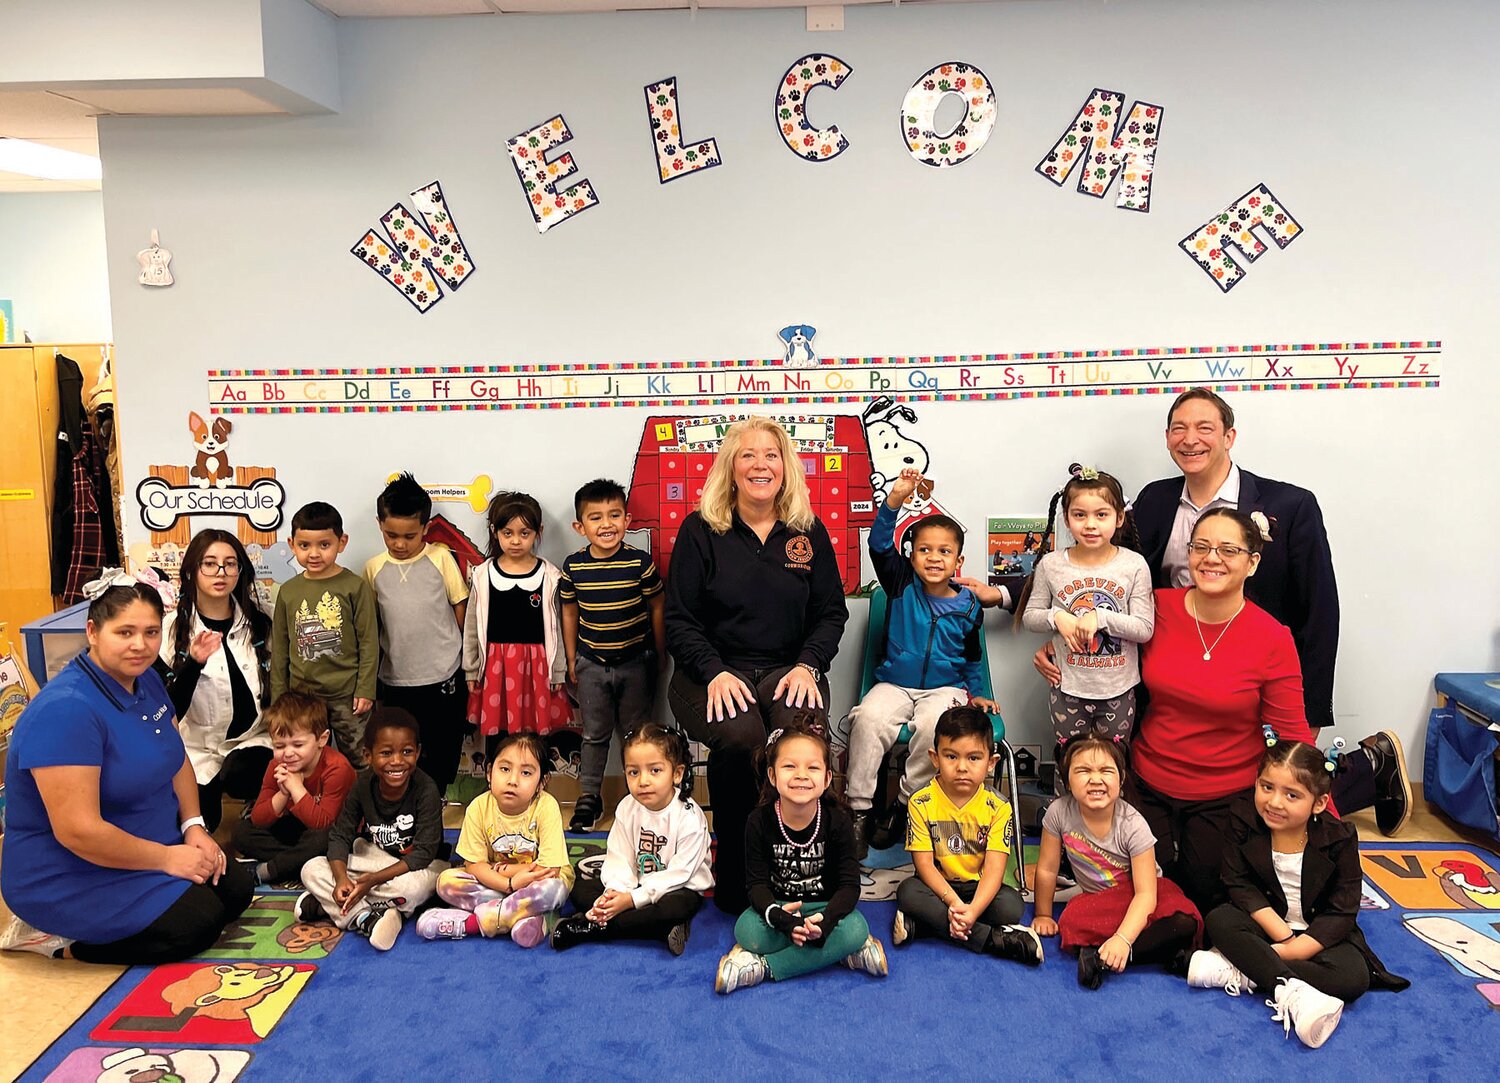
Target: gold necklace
x: 1208, y: 651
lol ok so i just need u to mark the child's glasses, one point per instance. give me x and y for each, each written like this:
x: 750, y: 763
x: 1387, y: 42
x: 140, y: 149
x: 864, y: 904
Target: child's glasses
x: 213, y: 567
x: 1226, y: 552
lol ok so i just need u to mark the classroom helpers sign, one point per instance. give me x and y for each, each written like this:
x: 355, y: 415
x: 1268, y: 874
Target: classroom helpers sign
x: 1104, y: 146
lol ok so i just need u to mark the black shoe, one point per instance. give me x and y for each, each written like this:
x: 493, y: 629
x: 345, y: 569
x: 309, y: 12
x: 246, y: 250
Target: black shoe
x: 861, y: 819
x: 1180, y: 963
x: 575, y: 930
x: 1090, y: 968
x: 1019, y: 942
x: 677, y: 938
x: 249, y: 864
x: 890, y: 829
x: 1392, y: 787
x: 308, y: 909
x: 585, y: 812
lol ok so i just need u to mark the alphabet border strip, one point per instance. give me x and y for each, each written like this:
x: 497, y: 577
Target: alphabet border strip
x: 1165, y: 370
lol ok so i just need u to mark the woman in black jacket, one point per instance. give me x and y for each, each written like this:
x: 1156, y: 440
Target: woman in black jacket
x: 755, y: 611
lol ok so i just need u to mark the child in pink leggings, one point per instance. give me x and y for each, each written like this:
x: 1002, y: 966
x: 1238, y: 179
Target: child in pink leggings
x: 516, y: 873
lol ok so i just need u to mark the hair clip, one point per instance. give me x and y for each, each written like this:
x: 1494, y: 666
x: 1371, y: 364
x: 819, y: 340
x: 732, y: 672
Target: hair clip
x: 1333, y: 755
x: 1074, y: 469
x: 1270, y: 735
x: 1088, y: 473
x: 110, y: 578
x: 152, y: 578
x: 1117, y: 739
x: 774, y: 737
x: 1262, y: 524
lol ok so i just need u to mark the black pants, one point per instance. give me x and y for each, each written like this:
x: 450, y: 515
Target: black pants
x: 1191, y: 837
x: 918, y: 901
x: 651, y: 922
x: 1340, y: 971
x: 1354, y: 786
x: 285, y: 846
x: 240, y: 776
x: 439, y: 710
x: 189, y: 926
x: 733, y: 787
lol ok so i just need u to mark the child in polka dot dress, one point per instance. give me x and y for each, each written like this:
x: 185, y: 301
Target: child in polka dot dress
x: 513, y: 652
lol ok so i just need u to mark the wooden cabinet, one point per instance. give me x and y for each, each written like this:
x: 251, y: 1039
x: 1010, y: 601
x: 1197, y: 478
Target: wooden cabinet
x: 29, y: 418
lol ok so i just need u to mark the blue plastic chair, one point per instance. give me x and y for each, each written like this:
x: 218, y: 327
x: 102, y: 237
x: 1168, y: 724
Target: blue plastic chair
x: 875, y: 638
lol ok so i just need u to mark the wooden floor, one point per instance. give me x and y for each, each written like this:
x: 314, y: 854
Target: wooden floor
x: 41, y: 998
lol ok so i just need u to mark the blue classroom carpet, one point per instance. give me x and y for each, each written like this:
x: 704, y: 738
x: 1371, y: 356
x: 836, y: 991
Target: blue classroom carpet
x: 480, y: 1009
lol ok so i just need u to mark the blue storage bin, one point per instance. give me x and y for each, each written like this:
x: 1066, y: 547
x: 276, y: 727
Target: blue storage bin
x: 1461, y: 774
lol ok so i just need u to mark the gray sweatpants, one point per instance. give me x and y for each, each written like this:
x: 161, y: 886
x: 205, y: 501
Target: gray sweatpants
x: 412, y: 889
x: 877, y: 723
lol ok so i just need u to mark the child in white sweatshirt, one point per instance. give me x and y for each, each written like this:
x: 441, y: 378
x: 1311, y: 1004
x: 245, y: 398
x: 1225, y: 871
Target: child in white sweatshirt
x: 656, y: 866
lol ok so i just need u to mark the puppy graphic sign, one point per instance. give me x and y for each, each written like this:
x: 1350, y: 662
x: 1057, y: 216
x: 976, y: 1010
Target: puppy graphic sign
x: 211, y: 486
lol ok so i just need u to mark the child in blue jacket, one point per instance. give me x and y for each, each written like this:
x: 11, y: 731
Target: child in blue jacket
x: 931, y: 659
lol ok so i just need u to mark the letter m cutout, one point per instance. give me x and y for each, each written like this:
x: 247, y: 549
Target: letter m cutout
x: 1101, y: 148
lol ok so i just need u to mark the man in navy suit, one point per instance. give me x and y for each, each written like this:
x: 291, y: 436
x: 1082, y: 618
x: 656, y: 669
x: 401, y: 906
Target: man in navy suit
x: 1294, y: 581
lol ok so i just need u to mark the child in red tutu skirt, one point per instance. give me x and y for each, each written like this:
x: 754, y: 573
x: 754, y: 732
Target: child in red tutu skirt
x: 513, y: 653
x: 1126, y: 911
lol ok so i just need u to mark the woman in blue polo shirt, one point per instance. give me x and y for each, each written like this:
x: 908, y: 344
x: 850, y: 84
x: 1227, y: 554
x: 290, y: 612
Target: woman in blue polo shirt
x: 755, y: 611
x: 105, y: 856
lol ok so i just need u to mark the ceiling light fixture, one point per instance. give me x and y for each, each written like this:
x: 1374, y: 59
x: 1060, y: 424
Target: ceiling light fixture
x: 49, y: 163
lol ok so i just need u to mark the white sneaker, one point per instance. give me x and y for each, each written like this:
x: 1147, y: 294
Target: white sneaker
x: 385, y: 929
x: 1300, y: 1006
x: 900, y: 929
x: 870, y: 958
x: 740, y: 969
x: 19, y: 936
x: 1210, y: 970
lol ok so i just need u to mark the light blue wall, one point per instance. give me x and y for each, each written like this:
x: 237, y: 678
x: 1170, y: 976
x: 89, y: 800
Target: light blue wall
x: 1356, y: 114
x: 52, y: 265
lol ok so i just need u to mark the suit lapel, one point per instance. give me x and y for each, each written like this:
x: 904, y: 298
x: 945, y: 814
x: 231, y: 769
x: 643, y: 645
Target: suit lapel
x: 1258, y: 853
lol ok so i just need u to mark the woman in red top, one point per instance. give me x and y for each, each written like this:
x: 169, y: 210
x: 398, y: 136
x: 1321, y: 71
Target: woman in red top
x: 1218, y: 669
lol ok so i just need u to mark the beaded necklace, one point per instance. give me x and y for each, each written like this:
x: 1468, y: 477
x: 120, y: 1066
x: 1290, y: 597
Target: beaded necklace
x: 816, y: 826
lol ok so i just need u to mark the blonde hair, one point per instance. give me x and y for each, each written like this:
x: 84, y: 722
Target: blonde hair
x: 793, y: 505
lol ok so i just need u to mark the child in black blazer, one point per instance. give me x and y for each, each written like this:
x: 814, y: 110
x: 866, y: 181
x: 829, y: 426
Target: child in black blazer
x: 1293, y: 879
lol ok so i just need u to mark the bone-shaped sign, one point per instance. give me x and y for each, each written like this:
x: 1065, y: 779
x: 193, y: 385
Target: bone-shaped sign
x: 475, y: 493
x: 163, y: 503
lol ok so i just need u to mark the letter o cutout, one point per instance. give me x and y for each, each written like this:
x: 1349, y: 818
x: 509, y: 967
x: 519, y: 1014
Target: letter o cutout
x: 920, y: 106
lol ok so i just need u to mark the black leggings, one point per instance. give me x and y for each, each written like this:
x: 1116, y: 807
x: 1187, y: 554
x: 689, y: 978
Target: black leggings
x: 1340, y: 971
x: 240, y: 776
x: 651, y: 922
x: 189, y: 926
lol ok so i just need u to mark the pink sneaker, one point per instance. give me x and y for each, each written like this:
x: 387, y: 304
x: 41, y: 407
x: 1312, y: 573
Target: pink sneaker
x: 442, y: 924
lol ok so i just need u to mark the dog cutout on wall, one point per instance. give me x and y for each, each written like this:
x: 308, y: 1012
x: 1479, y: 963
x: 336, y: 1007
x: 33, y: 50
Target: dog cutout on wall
x: 212, y: 466
x: 892, y: 450
x: 797, y: 340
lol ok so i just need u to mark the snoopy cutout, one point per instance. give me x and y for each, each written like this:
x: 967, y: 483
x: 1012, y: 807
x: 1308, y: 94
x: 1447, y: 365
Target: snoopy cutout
x: 798, y: 340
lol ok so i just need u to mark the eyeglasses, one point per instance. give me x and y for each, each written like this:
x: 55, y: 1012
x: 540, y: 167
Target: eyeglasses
x: 1226, y: 552
x: 211, y: 567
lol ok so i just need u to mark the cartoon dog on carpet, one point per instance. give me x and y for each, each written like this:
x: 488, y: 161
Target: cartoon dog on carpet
x: 256, y: 994
x: 175, y: 1066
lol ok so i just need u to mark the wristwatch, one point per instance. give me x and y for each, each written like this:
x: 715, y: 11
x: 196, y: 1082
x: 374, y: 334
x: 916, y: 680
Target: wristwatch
x: 193, y: 821
x: 817, y: 674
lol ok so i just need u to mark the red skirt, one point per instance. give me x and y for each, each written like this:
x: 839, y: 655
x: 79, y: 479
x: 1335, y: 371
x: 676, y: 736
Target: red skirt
x: 1092, y: 918
x: 514, y: 693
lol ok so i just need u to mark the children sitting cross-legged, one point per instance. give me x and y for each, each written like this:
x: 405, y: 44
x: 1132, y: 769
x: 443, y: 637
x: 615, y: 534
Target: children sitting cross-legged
x: 931, y: 661
x: 1288, y: 930
x: 306, y: 784
x: 516, y: 872
x: 801, y: 874
x: 959, y: 834
x: 656, y: 867
x: 1126, y: 912
x: 382, y: 849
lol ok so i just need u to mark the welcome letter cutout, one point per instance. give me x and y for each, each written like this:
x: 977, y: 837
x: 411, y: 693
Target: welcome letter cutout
x: 1210, y: 243
x: 920, y: 106
x: 1101, y: 149
x: 805, y: 141
x: 673, y: 159
x: 415, y: 255
x: 539, y: 177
